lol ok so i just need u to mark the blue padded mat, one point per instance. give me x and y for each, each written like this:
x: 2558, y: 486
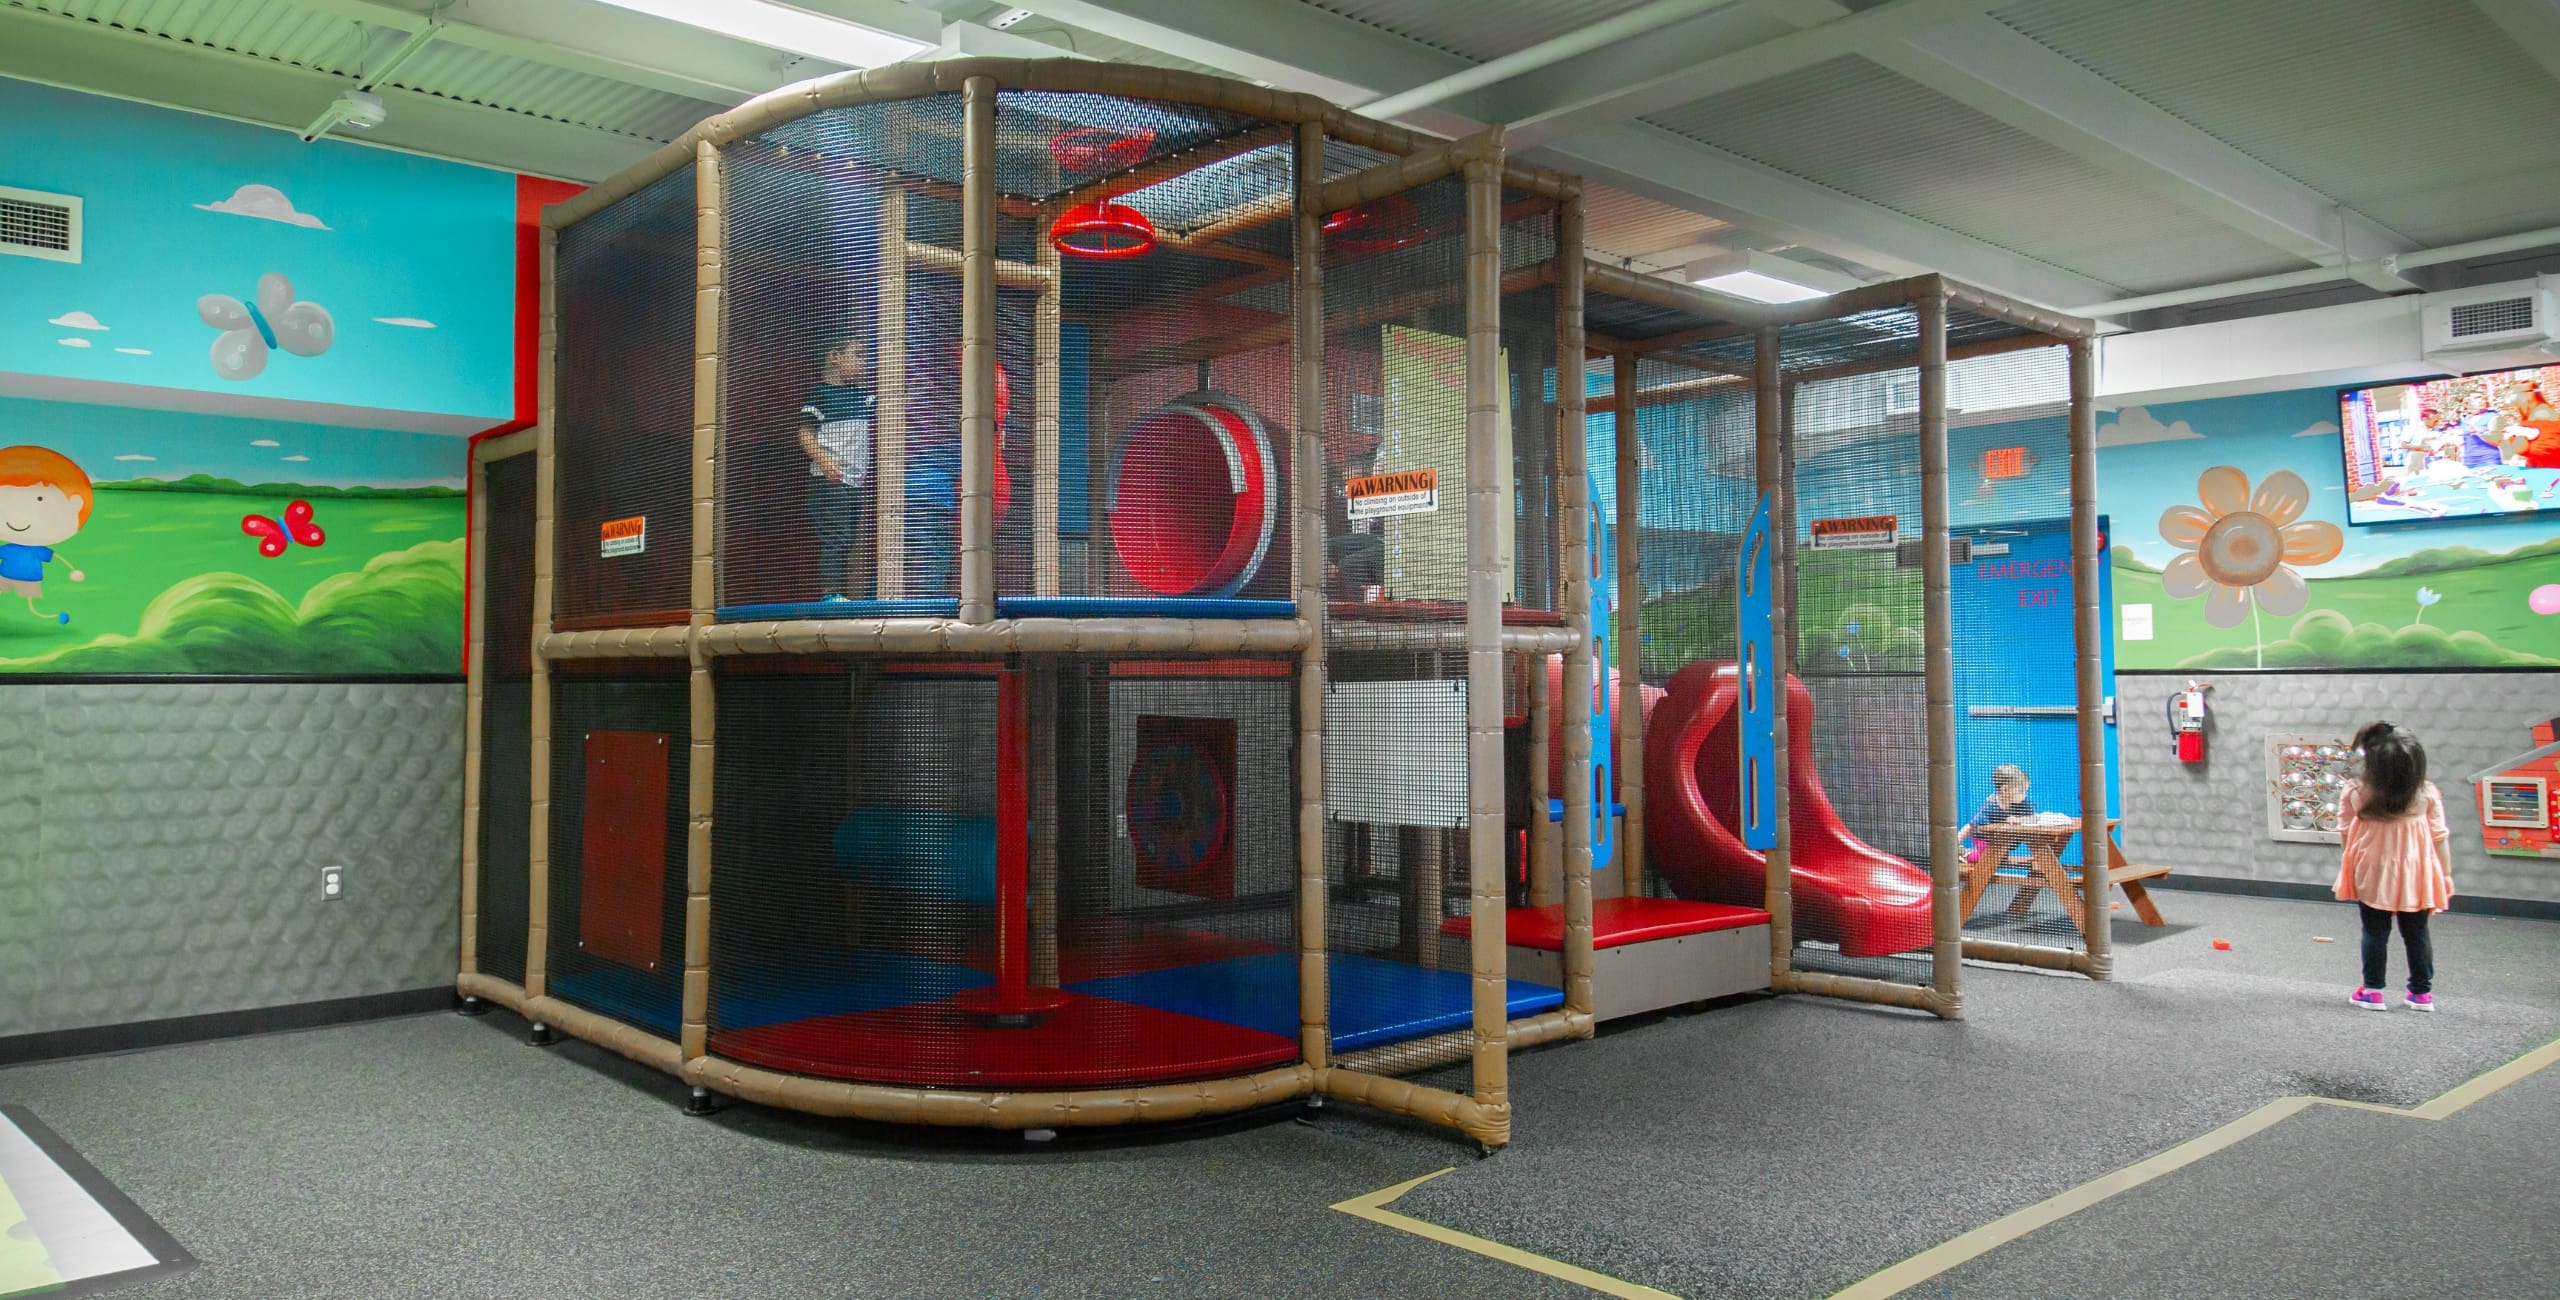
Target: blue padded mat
x: 1136, y: 607
x: 920, y: 607
x: 1372, y: 1002
x: 870, y: 981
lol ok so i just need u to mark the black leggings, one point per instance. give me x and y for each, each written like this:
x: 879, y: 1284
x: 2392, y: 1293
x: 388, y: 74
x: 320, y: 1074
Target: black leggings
x: 2413, y: 935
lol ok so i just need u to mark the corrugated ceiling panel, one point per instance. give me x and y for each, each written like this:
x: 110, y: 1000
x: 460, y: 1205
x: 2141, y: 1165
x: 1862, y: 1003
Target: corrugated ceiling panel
x: 1477, y: 29
x: 521, y: 86
x: 1855, y: 127
x: 2420, y: 113
x: 1618, y: 225
x: 267, y: 29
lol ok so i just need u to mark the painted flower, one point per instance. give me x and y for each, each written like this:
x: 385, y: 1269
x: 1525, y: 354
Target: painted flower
x: 2240, y: 549
x: 2427, y: 596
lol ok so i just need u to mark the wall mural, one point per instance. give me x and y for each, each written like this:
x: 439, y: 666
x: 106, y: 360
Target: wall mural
x: 2232, y: 551
x: 164, y: 542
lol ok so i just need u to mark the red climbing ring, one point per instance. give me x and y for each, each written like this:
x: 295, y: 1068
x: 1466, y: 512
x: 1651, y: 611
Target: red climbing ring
x: 1103, y: 229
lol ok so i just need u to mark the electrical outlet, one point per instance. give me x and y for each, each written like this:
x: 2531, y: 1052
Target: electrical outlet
x: 333, y: 885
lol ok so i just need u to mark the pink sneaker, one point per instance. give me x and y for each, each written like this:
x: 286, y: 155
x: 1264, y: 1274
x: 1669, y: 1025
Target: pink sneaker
x: 2422, y: 1002
x: 2370, y: 1000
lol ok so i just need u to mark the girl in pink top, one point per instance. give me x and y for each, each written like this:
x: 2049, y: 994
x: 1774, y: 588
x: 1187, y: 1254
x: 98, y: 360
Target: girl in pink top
x: 2391, y: 821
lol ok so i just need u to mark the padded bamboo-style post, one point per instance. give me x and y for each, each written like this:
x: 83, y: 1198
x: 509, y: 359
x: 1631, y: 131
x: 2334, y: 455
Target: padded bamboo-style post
x: 546, y: 496
x: 2089, y: 631
x: 1938, y: 627
x: 889, y: 409
x: 978, y: 351
x: 1572, y: 462
x: 1487, y: 505
x: 1308, y: 552
x: 475, y: 621
x: 710, y: 287
x: 1629, y: 763
x: 1769, y: 458
x: 1045, y: 433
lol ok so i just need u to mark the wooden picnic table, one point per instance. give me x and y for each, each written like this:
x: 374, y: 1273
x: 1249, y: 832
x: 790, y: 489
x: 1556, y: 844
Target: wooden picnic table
x: 2043, y: 869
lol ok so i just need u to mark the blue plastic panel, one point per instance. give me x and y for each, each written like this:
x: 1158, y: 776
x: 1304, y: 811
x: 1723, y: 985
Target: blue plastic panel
x: 1372, y: 1002
x: 1762, y: 693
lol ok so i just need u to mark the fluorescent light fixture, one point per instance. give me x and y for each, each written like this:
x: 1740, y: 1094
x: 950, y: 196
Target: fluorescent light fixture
x: 782, y: 27
x: 1766, y: 277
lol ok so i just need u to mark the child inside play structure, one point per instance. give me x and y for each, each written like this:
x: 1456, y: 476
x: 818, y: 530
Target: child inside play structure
x: 2008, y: 802
x: 835, y: 431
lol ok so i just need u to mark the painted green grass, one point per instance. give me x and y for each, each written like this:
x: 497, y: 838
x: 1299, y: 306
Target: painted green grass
x: 2368, y: 620
x: 1837, y: 589
x: 160, y: 554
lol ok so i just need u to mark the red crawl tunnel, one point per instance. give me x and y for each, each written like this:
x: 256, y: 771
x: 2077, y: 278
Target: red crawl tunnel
x: 1195, y: 497
x: 1845, y: 891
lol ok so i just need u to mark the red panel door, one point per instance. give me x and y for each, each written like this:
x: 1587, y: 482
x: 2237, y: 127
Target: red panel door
x: 622, y: 862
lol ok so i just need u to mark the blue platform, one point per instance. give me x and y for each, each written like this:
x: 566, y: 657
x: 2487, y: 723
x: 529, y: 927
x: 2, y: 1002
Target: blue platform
x: 920, y: 607
x: 654, y: 1000
x: 1372, y: 1002
x: 1141, y: 607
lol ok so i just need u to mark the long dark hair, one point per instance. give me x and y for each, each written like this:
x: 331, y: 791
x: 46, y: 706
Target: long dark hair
x: 2395, y: 765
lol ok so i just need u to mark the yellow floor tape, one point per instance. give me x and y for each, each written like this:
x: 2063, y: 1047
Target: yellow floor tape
x: 1373, y: 1207
x: 1990, y: 1236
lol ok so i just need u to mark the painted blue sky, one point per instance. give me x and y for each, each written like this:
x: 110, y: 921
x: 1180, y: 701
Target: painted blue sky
x: 370, y: 234
x: 110, y: 441
x: 2149, y: 458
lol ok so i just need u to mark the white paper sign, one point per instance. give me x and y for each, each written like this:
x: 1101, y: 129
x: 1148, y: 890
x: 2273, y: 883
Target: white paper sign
x: 2137, y: 622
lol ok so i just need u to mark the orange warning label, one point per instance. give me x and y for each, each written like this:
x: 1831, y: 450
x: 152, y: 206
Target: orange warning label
x: 1407, y: 492
x: 625, y: 536
x: 1855, y: 533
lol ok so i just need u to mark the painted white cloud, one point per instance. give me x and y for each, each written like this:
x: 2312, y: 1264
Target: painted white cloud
x: 2320, y: 429
x: 2136, y: 425
x: 132, y: 456
x: 405, y: 322
x: 73, y: 343
x: 77, y: 320
x: 264, y: 442
x: 266, y: 203
x: 295, y: 460
x: 135, y: 352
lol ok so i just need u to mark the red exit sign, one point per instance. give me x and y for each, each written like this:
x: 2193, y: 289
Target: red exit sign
x: 2004, y: 462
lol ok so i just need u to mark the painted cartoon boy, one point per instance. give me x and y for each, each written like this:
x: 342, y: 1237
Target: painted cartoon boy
x: 44, y: 500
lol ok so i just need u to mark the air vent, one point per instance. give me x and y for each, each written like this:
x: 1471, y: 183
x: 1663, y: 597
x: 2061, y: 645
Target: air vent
x: 34, y: 224
x: 2497, y: 316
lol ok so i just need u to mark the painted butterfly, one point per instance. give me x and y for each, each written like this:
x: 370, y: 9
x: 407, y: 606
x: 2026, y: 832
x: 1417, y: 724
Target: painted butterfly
x: 274, y: 535
x: 273, y: 320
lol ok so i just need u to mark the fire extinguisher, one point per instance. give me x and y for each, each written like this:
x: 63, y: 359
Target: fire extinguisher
x: 2186, y: 721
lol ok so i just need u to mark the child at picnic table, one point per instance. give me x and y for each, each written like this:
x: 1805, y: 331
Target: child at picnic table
x: 2008, y: 802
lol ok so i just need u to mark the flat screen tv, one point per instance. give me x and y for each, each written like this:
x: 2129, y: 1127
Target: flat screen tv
x: 2484, y: 444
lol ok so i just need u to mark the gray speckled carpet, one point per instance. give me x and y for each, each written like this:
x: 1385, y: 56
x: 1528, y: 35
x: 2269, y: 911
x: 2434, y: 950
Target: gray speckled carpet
x: 1778, y: 1147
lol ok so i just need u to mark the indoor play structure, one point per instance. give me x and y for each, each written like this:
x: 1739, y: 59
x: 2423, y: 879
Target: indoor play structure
x: 1050, y: 593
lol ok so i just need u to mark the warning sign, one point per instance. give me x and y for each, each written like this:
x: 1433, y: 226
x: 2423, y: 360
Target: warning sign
x: 1862, y: 533
x: 1409, y: 492
x: 626, y: 536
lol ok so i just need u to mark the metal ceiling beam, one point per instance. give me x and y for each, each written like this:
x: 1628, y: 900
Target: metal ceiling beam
x: 2534, y: 25
x: 1687, y: 75
x: 131, y: 65
x: 1995, y: 70
x: 1299, y: 47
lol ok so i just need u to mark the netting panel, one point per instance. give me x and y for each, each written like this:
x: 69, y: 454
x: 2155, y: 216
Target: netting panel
x: 506, y: 717
x: 1529, y: 404
x: 840, y: 392
x: 1149, y: 421
x: 623, y: 290
x: 619, y: 747
x: 910, y: 888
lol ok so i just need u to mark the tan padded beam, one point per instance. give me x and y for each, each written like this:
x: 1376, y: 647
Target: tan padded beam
x: 1768, y: 454
x: 978, y: 352
x: 1573, y: 455
x: 1309, y: 540
x: 1630, y: 631
x: 1088, y: 636
x: 546, y: 495
x: 709, y: 318
x: 1938, y: 625
x: 889, y: 414
x: 1487, y: 505
x: 475, y: 618
x: 2089, y: 634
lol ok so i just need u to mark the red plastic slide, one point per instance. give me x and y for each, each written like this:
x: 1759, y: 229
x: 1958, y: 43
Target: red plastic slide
x: 1846, y: 892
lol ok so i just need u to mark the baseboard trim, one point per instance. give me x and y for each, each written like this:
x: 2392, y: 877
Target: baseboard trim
x: 2528, y: 908
x: 94, y: 1040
